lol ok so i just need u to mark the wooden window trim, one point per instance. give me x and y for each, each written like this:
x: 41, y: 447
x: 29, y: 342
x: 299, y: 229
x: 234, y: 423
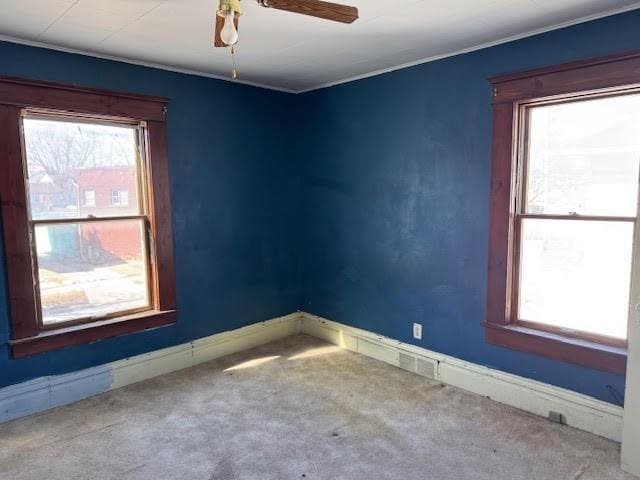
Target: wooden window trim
x: 604, y: 75
x: 90, y: 332
x: 27, y: 338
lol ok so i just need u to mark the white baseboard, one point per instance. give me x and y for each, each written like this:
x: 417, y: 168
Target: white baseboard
x: 580, y: 411
x: 48, y: 392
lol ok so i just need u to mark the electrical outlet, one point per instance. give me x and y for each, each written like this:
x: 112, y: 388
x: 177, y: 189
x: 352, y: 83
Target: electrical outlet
x: 417, y: 331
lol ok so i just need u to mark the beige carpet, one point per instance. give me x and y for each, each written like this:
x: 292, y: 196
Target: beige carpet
x: 297, y: 409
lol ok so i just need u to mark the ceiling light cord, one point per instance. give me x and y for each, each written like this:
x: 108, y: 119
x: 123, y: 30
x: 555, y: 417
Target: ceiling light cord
x: 234, y: 71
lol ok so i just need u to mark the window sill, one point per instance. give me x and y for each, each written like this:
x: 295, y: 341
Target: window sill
x: 559, y: 347
x: 90, y: 332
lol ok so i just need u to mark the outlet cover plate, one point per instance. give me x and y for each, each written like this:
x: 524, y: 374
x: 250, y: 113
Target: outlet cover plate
x: 417, y: 331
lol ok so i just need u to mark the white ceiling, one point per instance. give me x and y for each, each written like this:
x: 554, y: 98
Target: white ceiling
x: 283, y: 50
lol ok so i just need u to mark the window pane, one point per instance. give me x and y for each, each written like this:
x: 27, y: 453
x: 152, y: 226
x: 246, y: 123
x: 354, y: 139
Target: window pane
x: 575, y: 274
x: 583, y: 157
x: 74, y: 168
x: 91, y: 269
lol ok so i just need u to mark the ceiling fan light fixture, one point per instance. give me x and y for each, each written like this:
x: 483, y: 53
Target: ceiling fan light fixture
x: 229, y: 34
x: 226, y: 26
x: 230, y: 11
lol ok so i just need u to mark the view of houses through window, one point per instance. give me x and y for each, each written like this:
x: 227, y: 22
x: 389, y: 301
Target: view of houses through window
x: 87, y: 215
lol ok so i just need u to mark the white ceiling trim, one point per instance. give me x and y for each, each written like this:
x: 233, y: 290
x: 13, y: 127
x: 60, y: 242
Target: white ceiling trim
x: 141, y: 63
x: 329, y: 84
x: 476, y: 47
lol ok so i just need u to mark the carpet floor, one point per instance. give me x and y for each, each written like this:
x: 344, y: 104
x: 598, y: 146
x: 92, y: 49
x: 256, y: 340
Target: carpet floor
x: 297, y: 408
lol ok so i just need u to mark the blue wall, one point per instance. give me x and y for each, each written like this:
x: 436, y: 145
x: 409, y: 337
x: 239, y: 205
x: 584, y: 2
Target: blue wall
x: 396, y: 179
x: 231, y: 186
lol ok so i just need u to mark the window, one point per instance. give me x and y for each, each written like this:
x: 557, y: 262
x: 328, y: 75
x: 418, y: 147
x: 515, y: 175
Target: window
x: 120, y: 198
x: 564, y: 197
x: 575, y: 211
x: 93, y: 266
x: 89, y: 198
x: 79, y: 269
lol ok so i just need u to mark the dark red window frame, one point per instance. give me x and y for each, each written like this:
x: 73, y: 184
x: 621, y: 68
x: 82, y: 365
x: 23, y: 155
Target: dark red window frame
x: 614, y: 73
x: 27, y: 337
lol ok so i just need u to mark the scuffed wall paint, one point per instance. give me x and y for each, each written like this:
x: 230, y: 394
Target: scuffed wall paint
x: 43, y: 393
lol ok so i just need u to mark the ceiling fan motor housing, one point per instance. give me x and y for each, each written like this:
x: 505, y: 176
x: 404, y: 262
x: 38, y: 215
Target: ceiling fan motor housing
x: 227, y: 6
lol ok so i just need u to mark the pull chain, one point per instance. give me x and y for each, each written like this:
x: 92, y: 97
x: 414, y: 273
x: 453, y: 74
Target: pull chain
x: 234, y: 71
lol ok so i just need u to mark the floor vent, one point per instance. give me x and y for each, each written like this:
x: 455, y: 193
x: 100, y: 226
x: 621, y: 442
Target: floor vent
x: 426, y: 368
x: 407, y: 362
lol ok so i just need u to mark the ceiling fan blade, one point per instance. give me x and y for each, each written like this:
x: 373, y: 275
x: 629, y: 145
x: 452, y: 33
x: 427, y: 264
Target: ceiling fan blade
x: 316, y: 8
x: 217, y: 41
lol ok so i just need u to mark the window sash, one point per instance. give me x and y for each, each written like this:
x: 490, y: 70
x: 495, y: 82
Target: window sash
x: 515, y: 289
x: 148, y: 246
x: 522, y: 129
x: 519, y: 198
x: 141, y: 160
